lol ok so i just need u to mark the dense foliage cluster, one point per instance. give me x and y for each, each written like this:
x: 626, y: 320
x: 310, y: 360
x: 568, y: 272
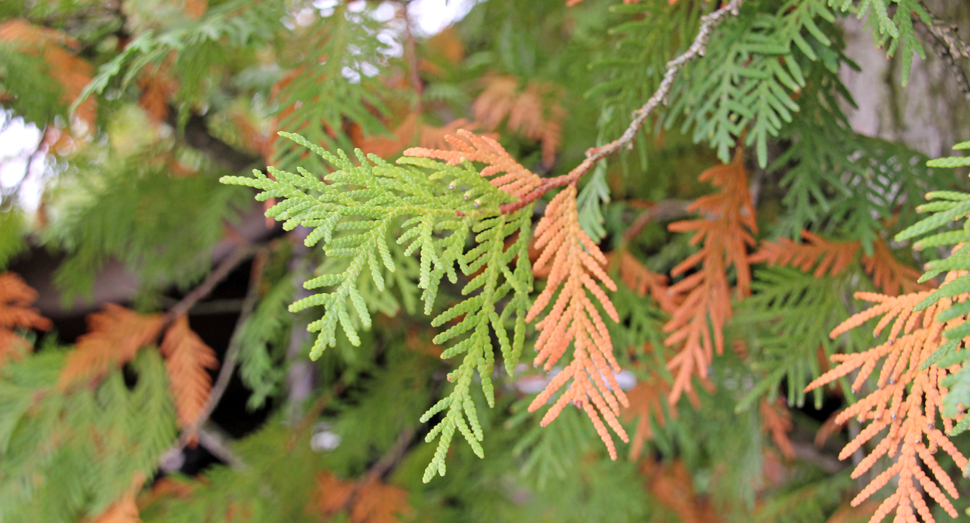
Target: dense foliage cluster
x: 660, y: 204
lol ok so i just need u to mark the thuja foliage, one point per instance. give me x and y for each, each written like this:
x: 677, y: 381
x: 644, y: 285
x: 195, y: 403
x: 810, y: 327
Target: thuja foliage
x: 633, y: 253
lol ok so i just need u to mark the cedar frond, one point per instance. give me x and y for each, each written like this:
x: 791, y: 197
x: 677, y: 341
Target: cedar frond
x: 378, y: 502
x: 646, y: 400
x: 186, y: 359
x: 517, y: 180
x: 642, y: 280
x: 114, y: 336
x: 332, y: 494
x: 888, y: 273
x: 831, y: 257
x: 577, y: 264
x: 495, y: 102
x: 704, y: 296
x: 776, y: 420
x: 906, y: 400
x: 70, y: 71
x: 15, y: 313
x: 533, y: 112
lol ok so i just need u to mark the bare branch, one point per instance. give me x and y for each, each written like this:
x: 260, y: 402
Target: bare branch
x: 206, y: 287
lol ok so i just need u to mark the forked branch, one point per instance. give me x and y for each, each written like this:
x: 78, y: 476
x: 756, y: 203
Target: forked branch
x: 659, y: 97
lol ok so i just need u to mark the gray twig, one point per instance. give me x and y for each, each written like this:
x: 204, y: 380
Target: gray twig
x: 659, y: 97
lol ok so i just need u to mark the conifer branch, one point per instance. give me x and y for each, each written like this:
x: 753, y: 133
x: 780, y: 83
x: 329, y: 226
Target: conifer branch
x: 833, y: 258
x: 704, y: 297
x: 907, y: 399
x: 825, y: 257
x: 595, y: 154
x: 576, y: 265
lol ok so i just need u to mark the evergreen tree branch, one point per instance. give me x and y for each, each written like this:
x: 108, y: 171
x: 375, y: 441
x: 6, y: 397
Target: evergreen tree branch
x: 595, y: 154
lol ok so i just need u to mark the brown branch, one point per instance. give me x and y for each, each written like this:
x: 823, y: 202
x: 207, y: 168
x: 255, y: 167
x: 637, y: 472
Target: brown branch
x: 949, y: 47
x: 382, y: 467
x: 659, y: 97
x: 206, y: 287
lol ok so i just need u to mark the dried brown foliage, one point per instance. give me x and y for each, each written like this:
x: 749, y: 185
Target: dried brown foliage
x: 186, y: 359
x: 516, y: 180
x: 724, y: 233
x: 332, y: 493
x: 532, y: 112
x: 369, y: 500
x: 833, y: 258
x: 378, y: 502
x: 642, y: 280
x: 114, y: 336
x: 673, y: 486
x: 776, y: 421
x: 889, y: 274
x: 157, y: 86
x: 576, y: 271
x: 410, y: 131
x: 905, y: 402
x: 16, y: 298
x: 647, y: 400
x: 824, y: 256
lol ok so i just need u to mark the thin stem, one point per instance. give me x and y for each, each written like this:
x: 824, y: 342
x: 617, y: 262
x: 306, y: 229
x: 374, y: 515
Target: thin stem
x: 659, y: 97
x: 209, y: 284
